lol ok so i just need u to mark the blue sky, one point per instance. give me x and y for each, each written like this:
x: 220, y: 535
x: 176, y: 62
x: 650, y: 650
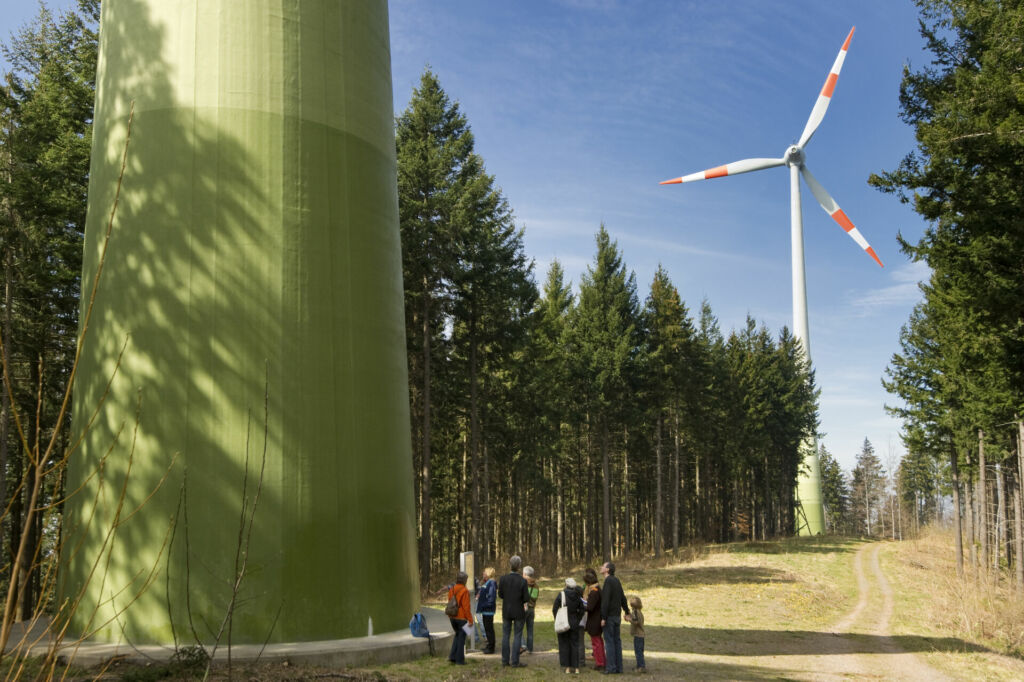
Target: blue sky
x: 580, y: 108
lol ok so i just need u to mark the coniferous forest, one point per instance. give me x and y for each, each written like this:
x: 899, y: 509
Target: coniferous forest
x: 572, y: 420
x: 565, y: 422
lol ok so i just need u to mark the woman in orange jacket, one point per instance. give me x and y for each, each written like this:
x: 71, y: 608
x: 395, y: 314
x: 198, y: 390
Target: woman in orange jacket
x: 463, y: 615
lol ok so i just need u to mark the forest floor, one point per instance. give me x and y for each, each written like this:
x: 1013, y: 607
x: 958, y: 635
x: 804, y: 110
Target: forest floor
x: 795, y: 609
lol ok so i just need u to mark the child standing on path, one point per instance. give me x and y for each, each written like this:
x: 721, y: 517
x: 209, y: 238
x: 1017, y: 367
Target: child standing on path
x: 636, y: 628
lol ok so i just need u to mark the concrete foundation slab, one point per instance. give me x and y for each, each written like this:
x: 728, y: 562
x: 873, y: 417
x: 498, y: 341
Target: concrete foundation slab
x: 388, y: 647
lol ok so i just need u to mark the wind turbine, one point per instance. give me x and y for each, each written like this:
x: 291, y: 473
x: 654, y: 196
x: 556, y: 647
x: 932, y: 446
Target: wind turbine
x: 809, y: 483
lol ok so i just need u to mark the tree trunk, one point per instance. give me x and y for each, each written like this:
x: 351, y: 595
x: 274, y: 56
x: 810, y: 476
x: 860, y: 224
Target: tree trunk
x: 1003, y: 549
x: 971, y: 534
x: 474, y: 441
x: 1018, y: 526
x: 606, y: 502
x: 982, y: 502
x: 15, y: 520
x: 560, y: 523
x: 486, y: 512
x: 1019, y: 523
x: 957, y: 525
x: 676, y: 485
x: 425, y: 537
x: 627, y: 517
x: 892, y: 515
x: 658, y: 520
x: 5, y: 369
x: 867, y: 507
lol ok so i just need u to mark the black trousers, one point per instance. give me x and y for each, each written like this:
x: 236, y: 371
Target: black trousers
x: 489, y: 632
x: 570, y: 648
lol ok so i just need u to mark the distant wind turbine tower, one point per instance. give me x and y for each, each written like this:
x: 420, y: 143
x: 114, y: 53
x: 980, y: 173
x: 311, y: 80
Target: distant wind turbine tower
x: 811, y: 517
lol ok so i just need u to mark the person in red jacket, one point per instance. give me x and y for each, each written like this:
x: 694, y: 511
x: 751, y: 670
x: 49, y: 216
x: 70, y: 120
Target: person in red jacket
x: 460, y: 594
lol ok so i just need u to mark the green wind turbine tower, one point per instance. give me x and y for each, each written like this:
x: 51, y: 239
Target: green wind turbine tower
x: 253, y: 278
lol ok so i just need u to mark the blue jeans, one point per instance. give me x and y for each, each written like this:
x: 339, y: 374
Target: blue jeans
x: 613, y: 644
x: 638, y: 649
x: 458, y: 652
x: 530, y: 616
x: 511, y: 657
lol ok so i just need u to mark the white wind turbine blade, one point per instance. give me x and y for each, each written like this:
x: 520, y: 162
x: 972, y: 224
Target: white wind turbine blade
x: 832, y: 208
x: 734, y: 168
x: 818, y: 112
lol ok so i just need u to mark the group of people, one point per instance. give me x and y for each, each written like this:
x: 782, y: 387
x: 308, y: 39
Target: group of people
x: 596, y: 609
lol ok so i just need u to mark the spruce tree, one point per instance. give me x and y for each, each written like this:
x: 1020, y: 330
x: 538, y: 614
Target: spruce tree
x: 493, y: 293
x: 605, y: 343
x: 867, y: 488
x: 46, y: 106
x: 834, y: 492
x: 435, y: 165
x: 667, y: 335
x: 554, y: 395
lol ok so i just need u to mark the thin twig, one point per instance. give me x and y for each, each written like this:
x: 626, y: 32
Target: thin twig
x: 242, y: 549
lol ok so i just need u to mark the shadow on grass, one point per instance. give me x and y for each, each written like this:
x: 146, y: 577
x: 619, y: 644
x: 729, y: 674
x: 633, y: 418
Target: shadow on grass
x: 695, y: 576
x: 815, y: 545
x: 676, y: 653
x: 743, y: 642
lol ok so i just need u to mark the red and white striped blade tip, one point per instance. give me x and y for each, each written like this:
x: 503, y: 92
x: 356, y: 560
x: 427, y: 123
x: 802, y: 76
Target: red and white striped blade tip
x: 734, y: 168
x: 837, y: 214
x: 825, y: 96
x: 844, y: 222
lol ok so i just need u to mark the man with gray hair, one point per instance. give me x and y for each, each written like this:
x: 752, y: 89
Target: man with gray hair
x: 514, y: 595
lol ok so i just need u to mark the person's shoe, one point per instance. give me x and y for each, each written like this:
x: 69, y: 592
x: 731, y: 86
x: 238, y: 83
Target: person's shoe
x: 518, y: 665
x: 575, y: 671
x: 568, y: 671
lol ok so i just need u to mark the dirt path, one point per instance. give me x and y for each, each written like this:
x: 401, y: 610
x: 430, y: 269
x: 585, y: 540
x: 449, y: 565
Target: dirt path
x: 891, y: 661
x: 859, y: 645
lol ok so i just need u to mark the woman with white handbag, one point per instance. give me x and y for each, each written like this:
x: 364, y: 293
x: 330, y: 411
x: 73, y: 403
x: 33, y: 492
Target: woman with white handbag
x: 569, y: 610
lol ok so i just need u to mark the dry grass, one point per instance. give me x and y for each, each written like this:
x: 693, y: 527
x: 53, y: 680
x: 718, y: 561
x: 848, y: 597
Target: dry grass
x: 989, y: 612
x: 985, y: 616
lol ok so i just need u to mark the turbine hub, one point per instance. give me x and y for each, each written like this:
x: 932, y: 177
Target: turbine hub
x: 794, y: 156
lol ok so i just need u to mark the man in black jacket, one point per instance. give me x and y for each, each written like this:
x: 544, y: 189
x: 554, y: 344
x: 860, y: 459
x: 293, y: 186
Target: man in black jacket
x: 612, y: 599
x: 512, y: 589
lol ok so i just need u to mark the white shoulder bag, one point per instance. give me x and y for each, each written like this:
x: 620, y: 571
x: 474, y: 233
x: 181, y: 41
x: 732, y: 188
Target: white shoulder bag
x: 562, y: 617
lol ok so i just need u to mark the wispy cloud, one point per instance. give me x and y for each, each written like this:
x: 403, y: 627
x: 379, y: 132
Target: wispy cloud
x: 663, y: 245
x: 902, y: 292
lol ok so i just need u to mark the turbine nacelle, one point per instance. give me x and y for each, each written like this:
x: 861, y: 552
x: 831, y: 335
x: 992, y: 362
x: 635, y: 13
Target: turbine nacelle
x: 794, y: 156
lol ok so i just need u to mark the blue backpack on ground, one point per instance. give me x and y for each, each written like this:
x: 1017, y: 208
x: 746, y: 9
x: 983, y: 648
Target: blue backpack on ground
x: 418, y: 626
